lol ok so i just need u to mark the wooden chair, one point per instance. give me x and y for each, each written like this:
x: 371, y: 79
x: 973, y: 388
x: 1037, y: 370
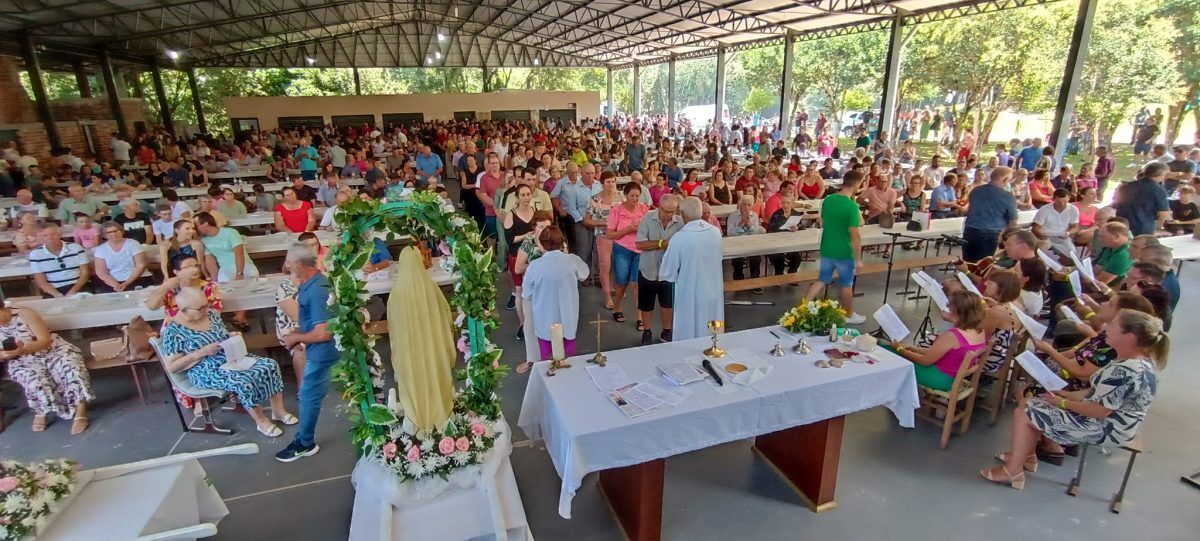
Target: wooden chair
x: 1001, y: 382
x: 964, y: 391
x: 180, y: 382
x: 1134, y: 447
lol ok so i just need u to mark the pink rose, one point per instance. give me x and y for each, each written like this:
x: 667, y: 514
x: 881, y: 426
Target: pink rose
x: 446, y: 446
x: 471, y: 414
x: 389, y: 450
x: 414, y: 454
x: 9, y: 484
x: 478, y: 429
x: 444, y: 248
x: 496, y: 364
x: 463, y: 347
x: 462, y: 443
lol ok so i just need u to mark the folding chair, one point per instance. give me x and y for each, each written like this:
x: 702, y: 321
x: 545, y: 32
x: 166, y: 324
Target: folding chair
x: 180, y: 382
x: 1134, y: 447
x: 1001, y: 383
x: 964, y: 390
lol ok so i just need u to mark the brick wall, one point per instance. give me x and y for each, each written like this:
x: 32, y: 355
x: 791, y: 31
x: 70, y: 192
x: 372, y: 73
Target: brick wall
x: 15, y: 105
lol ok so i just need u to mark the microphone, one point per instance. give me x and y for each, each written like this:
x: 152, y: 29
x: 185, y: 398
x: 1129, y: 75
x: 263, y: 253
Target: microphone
x: 708, y: 367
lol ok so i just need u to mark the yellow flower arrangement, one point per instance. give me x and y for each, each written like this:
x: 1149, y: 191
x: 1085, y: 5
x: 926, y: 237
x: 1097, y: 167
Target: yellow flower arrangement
x: 813, y: 316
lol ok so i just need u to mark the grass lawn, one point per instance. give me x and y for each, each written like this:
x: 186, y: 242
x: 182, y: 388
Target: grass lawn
x: 1126, y: 165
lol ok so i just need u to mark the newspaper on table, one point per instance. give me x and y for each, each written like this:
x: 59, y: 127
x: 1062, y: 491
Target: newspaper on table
x: 1040, y: 372
x: 933, y: 288
x: 236, y: 356
x: 632, y: 401
x: 680, y: 373
x: 663, y: 390
x: 891, y: 323
x: 608, y: 377
x: 1050, y: 261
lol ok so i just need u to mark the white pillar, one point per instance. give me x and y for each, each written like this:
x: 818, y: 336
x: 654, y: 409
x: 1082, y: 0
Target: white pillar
x: 671, y: 94
x: 891, y: 79
x: 718, y: 117
x: 785, y: 88
x: 637, y: 90
x: 612, y: 105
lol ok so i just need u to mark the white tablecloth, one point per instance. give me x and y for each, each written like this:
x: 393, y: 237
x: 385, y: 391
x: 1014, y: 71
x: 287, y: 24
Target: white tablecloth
x: 1183, y: 247
x: 140, y: 503
x: 584, y: 432
x: 474, y: 502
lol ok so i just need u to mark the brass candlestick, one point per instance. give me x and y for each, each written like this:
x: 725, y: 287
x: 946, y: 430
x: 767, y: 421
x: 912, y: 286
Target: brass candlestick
x: 599, y: 357
x: 715, y: 327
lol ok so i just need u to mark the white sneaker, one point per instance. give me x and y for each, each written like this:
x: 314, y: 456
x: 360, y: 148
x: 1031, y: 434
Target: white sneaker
x: 855, y: 318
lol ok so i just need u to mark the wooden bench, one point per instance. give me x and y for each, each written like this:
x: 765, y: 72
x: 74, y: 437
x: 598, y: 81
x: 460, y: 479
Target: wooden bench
x: 1134, y: 447
x: 811, y: 274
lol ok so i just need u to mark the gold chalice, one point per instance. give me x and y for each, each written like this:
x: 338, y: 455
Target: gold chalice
x: 715, y: 327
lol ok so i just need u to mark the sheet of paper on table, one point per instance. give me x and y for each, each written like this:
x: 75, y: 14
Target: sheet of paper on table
x: 793, y: 221
x: 235, y: 354
x: 933, y: 288
x: 1035, y: 328
x: 968, y: 284
x: 1040, y: 372
x: 891, y: 323
x: 608, y: 377
x: 1050, y: 261
x: 680, y: 373
x: 632, y: 401
x: 731, y: 382
x: 663, y: 390
x: 1076, y: 287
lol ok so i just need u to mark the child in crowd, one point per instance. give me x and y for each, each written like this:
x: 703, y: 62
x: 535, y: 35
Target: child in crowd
x: 262, y: 199
x: 1184, y: 210
x: 163, y: 224
x: 87, y: 232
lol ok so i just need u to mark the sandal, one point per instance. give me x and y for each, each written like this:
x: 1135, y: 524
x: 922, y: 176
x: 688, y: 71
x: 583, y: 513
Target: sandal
x: 1031, y: 463
x: 619, y: 317
x: 287, y: 419
x: 272, y: 431
x: 641, y: 325
x: 1049, y: 457
x: 39, y: 423
x: 524, y: 367
x: 79, y: 425
x: 1016, y: 481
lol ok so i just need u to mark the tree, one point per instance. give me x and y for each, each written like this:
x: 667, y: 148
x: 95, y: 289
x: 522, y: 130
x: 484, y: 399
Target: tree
x: 834, y: 66
x: 1183, y: 15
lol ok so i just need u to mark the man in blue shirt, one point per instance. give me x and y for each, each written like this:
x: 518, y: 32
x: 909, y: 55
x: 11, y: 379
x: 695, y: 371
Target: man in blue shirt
x: 1144, y: 201
x: 429, y: 166
x: 1030, y: 155
x: 944, y: 201
x: 635, y: 155
x: 313, y: 333
x: 571, y: 197
x: 990, y: 210
x: 307, y: 155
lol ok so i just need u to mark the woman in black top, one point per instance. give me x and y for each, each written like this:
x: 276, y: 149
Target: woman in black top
x: 469, y: 197
x: 156, y: 175
x: 791, y: 259
x: 719, y: 191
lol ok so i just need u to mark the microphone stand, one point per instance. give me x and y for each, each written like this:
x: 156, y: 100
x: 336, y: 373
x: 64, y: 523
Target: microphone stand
x: 887, y: 281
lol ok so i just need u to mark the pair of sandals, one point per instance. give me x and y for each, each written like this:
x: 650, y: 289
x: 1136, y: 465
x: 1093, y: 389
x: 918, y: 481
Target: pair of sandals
x: 78, y: 424
x: 272, y: 430
x: 619, y: 317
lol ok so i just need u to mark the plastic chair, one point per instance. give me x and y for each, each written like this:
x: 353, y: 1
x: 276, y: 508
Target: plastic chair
x: 964, y: 390
x: 180, y: 382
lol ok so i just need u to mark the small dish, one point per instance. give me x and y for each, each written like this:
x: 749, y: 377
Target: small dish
x: 736, y: 368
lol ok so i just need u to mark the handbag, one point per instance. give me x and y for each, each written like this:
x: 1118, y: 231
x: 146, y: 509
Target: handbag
x: 135, y: 342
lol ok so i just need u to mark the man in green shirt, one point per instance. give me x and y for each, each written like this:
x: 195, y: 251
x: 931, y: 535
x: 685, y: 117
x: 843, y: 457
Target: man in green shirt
x: 841, y: 244
x: 863, y: 139
x: 1113, y: 261
x: 79, y: 201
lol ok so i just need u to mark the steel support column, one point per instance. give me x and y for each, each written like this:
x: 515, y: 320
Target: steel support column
x: 1080, y: 38
x: 891, y: 78
x: 164, y: 107
x: 612, y: 105
x: 637, y: 91
x: 39, y: 91
x: 785, y: 87
x: 719, y: 108
x: 196, y: 103
x: 487, y: 80
x: 357, y: 83
x: 671, y: 94
x: 81, y: 79
x: 110, y: 88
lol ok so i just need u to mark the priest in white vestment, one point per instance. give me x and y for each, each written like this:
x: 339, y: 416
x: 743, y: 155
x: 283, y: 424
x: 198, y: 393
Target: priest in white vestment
x: 693, y: 262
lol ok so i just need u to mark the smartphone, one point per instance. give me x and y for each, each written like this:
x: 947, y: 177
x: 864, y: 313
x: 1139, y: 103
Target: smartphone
x: 9, y: 343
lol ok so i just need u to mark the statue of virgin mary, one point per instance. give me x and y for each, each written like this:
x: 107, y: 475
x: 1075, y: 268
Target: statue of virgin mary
x: 421, y: 332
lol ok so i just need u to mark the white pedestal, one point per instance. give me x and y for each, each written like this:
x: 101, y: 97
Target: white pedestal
x: 474, y: 504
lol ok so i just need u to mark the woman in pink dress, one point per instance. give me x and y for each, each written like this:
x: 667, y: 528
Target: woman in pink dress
x: 824, y: 145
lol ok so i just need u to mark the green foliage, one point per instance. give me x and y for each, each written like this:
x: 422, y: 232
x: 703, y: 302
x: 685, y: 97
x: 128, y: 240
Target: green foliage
x: 758, y: 101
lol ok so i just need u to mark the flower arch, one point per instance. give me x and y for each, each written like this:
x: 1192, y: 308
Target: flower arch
x: 377, y: 427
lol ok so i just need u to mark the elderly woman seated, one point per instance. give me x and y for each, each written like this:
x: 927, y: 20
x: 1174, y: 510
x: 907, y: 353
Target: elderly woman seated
x: 191, y: 343
x: 745, y: 221
x: 48, y: 368
x: 1109, y: 412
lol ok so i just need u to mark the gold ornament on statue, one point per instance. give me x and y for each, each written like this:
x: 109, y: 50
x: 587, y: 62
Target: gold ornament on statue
x: 715, y: 327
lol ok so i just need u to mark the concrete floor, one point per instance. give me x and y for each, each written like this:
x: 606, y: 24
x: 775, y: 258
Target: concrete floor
x: 894, y: 483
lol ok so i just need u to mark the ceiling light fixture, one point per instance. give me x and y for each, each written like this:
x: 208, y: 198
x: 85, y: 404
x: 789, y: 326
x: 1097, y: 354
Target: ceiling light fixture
x: 537, y: 61
x: 428, y: 61
x: 311, y: 61
x: 441, y: 36
x: 172, y: 54
x: 437, y: 55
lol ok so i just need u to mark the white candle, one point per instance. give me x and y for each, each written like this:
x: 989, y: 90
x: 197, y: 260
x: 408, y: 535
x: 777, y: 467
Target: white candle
x: 391, y: 399
x: 556, y: 342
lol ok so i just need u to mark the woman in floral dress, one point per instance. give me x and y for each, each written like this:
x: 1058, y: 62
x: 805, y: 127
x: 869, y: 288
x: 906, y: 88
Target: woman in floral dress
x: 48, y: 368
x: 191, y: 343
x: 1109, y: 412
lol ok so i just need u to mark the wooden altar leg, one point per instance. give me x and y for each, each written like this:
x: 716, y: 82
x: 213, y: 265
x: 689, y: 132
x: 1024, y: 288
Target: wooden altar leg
x: 808, y: 457
x: 635, y: 494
